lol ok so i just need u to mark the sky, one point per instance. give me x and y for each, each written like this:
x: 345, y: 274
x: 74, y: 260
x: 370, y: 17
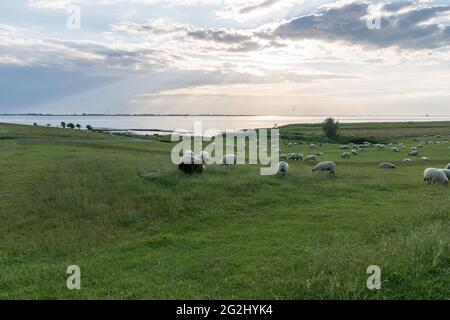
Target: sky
x: 258, y: 57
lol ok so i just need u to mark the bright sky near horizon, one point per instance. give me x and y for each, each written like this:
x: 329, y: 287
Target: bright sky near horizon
x: 267, y: 57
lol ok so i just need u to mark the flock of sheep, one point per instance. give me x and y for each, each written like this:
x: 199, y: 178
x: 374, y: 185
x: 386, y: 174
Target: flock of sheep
x: 191, y: 163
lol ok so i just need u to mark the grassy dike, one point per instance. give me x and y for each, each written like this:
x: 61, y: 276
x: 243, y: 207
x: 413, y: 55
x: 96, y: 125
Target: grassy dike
x: 67, y: 197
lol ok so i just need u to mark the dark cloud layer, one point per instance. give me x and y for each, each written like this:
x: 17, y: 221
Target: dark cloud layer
x: 411, y: 29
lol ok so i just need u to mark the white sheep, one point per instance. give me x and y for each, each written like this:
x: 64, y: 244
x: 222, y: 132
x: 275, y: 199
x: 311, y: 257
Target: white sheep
x: 395, y: 149
x: 325, y: 166
x: 311, y: 157
x: 354, y: 152
x: 346, y: 155
x: 435, y: 176
x: 295, y: 156
x: 414, y: 153
x: 204, y: 156
x: 447, y: 172
x: 380, y: 146
x: 407, y: 161
x: 283, y: 168
x: 424, y: 159
x: 387, y: 165
x: 228, y: 159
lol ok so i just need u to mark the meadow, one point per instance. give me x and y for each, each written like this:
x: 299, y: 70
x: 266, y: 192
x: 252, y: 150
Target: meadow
x: 79, y: 198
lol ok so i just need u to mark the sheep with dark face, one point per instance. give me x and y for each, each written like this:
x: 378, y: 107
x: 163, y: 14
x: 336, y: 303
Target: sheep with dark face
x: 190, y: 165
x: 329, y: 166
x: 283, y: 168
x: 435, y: 176
x: 386, y: 165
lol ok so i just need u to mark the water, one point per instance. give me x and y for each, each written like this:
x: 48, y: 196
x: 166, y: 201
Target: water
x: 146, y: 124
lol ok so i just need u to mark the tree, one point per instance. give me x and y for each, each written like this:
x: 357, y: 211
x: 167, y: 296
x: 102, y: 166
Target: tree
x: 63, y: 124
x: 330, y: 127
x: 89, y: 127
x: 71, y: 126
x: 78, y: 126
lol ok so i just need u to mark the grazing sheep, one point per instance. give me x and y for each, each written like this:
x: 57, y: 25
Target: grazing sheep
x: 343, y: 147
x: 395, y: 149
x: 295, y: 156
x: 354, y: 152
x: 387, y: 165
x: 283, y: 168
x: 414, y: 153
x: 190, y: 165
x: 204, y: 156
x: 311, y: 157
x: 407, y: 161
x: 435, y: 176
x: 447, y: 172
x: 325, y: 166
x: 424, y: 159
x: 346, y: 155
x: 380, y: 146
x: 319, y: 154
x: 283, y: 157
x: 312, y: 145
x: 228, y: 159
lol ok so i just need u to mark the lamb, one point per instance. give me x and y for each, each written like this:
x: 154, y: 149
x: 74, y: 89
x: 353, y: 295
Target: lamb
x: 295, y: 156
x: 425, y: 159
x: 325, y: 166
x: 190, y: 165
x: 414, y: 153
x: 228, y: 159
x: 387, y: 165
x: 283, y: 168
x: 346, y: 155
x: 311, y: 158
x: 435, y: 176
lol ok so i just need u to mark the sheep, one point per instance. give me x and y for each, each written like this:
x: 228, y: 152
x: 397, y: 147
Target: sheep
x: 395, y: 149
x: 325, y: 166
x: 295, y: 156
x: 283, y: 168
x: 435, y: 176
x: 344, y: 147
x: 346, y: 155
x: 380, y: 146
x: 354, y: 152
x: 407, y: 161
x: 414, y: 153
x: 424, y: 159
x: 283, y: 157
x: 190, y: 165
x: 386, y: 165
x: 204, y: 156
x: 447, y: 172
x: 228, y: 159
x: 311, y: 158
x: 312, y: 145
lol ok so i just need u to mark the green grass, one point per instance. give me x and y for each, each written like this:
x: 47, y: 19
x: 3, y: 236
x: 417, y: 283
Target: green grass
x: 229, y: 233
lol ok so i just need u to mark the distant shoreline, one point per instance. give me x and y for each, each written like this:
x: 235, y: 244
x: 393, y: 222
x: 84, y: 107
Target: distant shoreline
x: 209, y: 115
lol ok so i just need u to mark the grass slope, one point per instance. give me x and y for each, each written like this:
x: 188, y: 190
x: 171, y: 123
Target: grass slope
x: 230, y: 233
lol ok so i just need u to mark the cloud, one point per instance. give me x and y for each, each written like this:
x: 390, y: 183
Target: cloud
x: 413, y: 29
x: 263, y: 5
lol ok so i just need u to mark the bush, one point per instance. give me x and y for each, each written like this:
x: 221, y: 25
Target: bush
x: 330, y: 127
